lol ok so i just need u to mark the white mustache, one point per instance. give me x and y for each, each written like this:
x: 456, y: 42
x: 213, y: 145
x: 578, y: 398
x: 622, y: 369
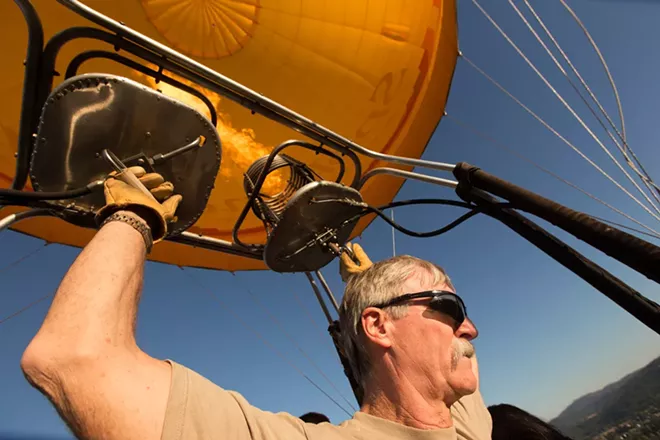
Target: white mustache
x: 462, y: 348
x: 466, y: 348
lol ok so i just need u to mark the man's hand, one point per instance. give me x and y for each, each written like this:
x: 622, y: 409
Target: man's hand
x: 348, y: 267
x: 122, y: 196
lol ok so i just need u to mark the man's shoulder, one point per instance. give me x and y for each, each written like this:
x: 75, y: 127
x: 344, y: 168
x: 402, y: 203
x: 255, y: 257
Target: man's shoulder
x: 471, y: 418
x: 200, y: 409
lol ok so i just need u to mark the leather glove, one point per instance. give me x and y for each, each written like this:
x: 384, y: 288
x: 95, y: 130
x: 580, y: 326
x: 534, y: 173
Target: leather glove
x: 120, y: 196
x: 348, y: 267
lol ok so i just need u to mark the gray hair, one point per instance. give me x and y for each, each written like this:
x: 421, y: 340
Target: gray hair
x: 378, y: 284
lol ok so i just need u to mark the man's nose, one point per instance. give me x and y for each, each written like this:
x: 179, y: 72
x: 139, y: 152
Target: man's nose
x: 467, y: 330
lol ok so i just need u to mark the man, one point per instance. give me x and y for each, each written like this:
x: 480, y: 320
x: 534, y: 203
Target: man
x: 414, y: 359
x: 368, y: 285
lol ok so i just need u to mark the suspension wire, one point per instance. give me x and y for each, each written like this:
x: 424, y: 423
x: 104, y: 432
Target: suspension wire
x: 646, y: 181
x: 261, y: 337
x: 563, y: 71
x: 23, y: 258
x: 24, y: 309
x: 653, y: 233
x: 305, y: 309
x: 605, y: 66
x: 563, y: 101
x: 393, y: 235
x: 277, y: 323
x: 614, y: 88
x: 311, y: 318
x: 619, y: 225
x: 556, y: 133
x: 15, y: 263
x: 561, y: 98
x: 582, y: 81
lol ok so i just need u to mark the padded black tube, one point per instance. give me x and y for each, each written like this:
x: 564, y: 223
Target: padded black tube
x: 634, y: 252
x: 642, y: 308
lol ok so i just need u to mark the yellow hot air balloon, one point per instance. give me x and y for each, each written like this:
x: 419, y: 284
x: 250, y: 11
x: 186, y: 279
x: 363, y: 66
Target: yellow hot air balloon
x: 375, y: 73
x: 370, y: 75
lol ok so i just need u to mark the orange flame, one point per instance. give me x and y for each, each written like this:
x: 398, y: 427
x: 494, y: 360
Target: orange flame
x: 239, y: 146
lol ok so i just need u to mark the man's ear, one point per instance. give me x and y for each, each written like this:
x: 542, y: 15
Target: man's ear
x: 377, y: 326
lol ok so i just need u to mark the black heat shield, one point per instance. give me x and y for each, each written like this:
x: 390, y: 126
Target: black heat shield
x: 89, y: 113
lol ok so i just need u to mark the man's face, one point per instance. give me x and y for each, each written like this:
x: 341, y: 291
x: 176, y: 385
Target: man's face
x: 430, y: 351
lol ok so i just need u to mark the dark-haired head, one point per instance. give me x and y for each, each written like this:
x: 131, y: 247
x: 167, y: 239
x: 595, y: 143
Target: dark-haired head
x: 314, y: 417
x: 511, y: 422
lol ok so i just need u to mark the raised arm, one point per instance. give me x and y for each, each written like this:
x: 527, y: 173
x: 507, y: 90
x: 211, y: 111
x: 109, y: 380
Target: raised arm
x: 84, y: 357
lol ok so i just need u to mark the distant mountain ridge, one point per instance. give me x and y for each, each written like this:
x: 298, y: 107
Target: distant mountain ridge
x: 634, y: 399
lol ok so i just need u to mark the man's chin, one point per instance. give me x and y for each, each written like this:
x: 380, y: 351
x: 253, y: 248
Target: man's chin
x: 464, y: 382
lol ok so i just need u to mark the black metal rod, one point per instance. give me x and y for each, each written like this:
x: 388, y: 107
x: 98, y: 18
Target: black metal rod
x: 634, y: 252
x: 160, y: 158
x: 78, y: 60
x: 328, y: 292
x: 29, y: 106
x: 187, y: 238
x: 642, y: 308
x: 214, y: 244
x: 317, y: 292
x: 9, y: 195
x: 340, y: 161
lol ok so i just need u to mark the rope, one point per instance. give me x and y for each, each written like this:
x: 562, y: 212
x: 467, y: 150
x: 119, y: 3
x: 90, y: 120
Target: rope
x: 570, y: 109
x: 622, y: 150
x: 603, y: 62
x: 614, y: 88
x: 556, y: 133
x: 577, y: 74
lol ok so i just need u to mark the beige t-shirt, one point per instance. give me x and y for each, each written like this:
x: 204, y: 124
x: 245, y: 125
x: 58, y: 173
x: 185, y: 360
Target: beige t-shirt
x: 198, y: 409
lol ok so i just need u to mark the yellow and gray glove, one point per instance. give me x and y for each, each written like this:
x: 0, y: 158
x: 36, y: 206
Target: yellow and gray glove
x: 157, y: 213
x: 349, y: 267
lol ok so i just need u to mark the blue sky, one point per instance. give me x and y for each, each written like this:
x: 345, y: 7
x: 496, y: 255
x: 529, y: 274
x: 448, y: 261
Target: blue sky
x: 546, y: 337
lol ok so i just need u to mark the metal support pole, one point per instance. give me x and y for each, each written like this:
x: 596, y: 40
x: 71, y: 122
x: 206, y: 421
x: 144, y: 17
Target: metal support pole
x: 407, y: 175
x: 214, y: 244
x: 15, y: 218
x: 327, y: 290
x: 317, y: 292
x: 29, y: 110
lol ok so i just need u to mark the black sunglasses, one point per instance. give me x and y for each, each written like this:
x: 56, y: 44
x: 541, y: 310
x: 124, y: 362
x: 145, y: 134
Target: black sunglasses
x: 442, y: 301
